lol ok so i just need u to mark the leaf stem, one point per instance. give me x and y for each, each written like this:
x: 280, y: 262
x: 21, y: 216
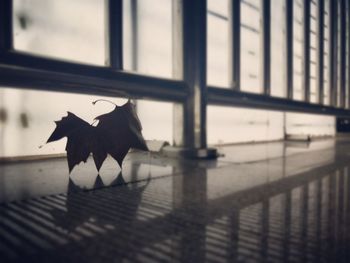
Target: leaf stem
x: 94, y: 102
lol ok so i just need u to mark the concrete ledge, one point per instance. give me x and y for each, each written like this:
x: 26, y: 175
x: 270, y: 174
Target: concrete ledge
x: 179, y: 152
x: 298, y: 137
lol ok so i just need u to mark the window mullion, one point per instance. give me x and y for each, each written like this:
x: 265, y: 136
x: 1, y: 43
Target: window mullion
x: 6, y: 36
x: 306, y: 50
x: 114, y: 16
x: 320, y: 51
x: 266, y: 47
x: 342, y: 52
x: 289, y: 48
x: 189, y: 51
x: 234, y: 35
x: 332, y: 53
x: 348, y: 47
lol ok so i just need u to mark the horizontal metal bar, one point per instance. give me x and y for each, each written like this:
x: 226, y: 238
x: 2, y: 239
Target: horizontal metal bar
x: 232, y: 98
x: 252, y: 6
x: 250, y: 28
x: 25, y: 71
x: 217, y: 15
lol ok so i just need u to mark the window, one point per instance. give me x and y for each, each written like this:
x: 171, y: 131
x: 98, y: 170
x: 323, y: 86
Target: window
x: 250, y: 46
x: 310, y: 124
x: 147, y: 37
x: 64, y: 29
x: 232, y: 125
x: 278, y: 50
x: 217, y: 46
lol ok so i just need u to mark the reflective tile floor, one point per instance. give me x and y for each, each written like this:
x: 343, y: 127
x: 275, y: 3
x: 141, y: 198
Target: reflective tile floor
x: 271, y: 202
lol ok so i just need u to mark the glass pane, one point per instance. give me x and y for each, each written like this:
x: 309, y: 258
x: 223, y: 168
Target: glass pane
x: 278, y: 51
x: 233, y: 125
x: 157, y: 119
x: 236, y: 125
x: 250, y: 46
x: 148, y: 37
x: 310, y: 124
x: 298, y: 92
x: 64, y: 29
x: 217, y: 65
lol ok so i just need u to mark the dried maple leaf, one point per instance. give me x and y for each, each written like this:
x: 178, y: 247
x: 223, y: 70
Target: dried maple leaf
x: 115, y: 133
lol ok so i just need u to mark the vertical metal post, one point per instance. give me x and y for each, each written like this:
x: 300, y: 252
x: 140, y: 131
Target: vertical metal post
x: 335, y: 47
x: 134, y: 35
x: 289, y: 48
x: 331, y: 52
x: 179, y: 128
x: 342, y: 80
x: 234, y: 36
x: 6, y: 36
x: 320, y: 51
x: 195, y: 67
x: 134, y: 41
x: 177, y: 39
x: 306, y: 50
x: 266, y: 46
x: 115, y: 34
x: 189, y: 53
x: 347, y: 3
